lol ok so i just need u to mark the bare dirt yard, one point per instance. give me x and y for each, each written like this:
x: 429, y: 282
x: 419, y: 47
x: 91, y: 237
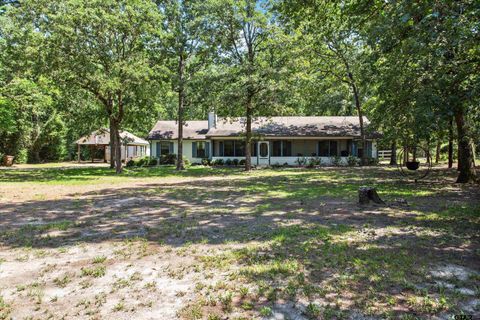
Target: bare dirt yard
x: 82, y: 243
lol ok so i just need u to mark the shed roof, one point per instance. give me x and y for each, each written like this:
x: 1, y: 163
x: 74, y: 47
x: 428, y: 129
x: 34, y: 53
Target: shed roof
x: 102, y: 137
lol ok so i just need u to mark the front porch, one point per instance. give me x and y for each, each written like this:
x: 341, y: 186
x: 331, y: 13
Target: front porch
x: 292, y: 151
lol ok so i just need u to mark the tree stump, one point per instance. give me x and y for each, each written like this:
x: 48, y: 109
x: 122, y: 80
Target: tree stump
x: 367, y: 194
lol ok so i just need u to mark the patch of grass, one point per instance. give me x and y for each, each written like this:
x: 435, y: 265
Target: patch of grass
x: 95, y: 272
x: 99, y: 259
x: 62, y: 282
x: 266, y: 311
x: 192, y: 312
x: 5, y: 309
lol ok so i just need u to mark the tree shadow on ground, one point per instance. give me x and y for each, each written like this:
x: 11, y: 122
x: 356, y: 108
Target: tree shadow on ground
x: 302, y: 236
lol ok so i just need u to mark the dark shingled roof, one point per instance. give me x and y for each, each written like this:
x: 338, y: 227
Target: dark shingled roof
x: 169, y: 130
x: 266, y: 126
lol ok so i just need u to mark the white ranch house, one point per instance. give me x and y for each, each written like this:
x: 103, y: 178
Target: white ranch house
x: 276, y: 140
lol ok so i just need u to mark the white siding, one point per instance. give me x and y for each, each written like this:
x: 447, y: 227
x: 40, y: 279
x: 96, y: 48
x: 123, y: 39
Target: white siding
x: 187, y: 149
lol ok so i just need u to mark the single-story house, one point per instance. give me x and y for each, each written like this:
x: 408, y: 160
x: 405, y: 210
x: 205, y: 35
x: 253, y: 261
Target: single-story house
x: 276, y: 140
x: 132, y: 146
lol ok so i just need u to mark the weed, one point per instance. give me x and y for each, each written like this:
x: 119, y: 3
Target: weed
x: 95, y: 272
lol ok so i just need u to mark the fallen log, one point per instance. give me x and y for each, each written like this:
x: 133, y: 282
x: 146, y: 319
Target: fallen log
x: 367, y: 194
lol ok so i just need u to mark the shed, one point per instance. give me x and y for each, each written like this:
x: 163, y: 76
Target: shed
x: 132, y: 146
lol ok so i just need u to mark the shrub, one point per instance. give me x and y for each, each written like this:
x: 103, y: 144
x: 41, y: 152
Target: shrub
x: 235, y: 162
x: 186, y: 162
x: 206, y: 162
x: 130, y: 163
x: 352, y: 161
x: 228, y: 162
x: 242, y: 162
x: 301, y: 161
x: 276, y: 165
x: 313, y: 162
x: 219, y: 162
x: 336, y: 161
x: 372, y: 161
x: 142, y: 162
x: 153, y: 162
x: 168, y: 158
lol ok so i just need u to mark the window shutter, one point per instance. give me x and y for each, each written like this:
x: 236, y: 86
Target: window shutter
x: 194, y: 149
x: 158, y: 149
x: 170, y: 147
x: 207, y: 149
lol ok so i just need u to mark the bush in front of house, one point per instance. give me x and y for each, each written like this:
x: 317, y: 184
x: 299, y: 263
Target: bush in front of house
x: 301, y: 161
x: 314, y: 162
x: 372, y: 161
x: 228, y: 162
x: 130, y: 163
x: 352, y: 161
x: 168, y: 158
x: 206, y: 162
x: 219, y: 162
x: 235, y: 162
x: 242, y: 162
x: 153, y: 162
x: 142, y: 162
x: 336, y: 161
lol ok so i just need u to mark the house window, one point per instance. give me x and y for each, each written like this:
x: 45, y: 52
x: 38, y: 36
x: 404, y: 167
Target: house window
x: 164, y: 148
x: 328, y: 148
x: 228, y: 148
x: 201, y: 150
x: 282, y: 148
x: 239, y: 148
x: 277, y: 149
x: 324, y: 148
x: 333, y: 149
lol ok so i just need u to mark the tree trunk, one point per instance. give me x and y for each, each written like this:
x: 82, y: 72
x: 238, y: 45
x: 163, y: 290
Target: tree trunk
x: 248, y: 137
x: 181, y: 101
x: 393, y: 157
x: 112, y: 146
x: 358, y: 106
x: 117, y: 145
x: 437, y: 151
x: 465, y: 157
x: 450, y: 144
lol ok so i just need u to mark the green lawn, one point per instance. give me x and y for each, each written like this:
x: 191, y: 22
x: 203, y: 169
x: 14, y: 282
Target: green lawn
x: 247, y: 245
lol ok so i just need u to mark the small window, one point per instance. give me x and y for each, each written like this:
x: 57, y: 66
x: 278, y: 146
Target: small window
x: 164, y: 148
x: 228, y: 148
x: 287, y: 148
x: 201, y: 150
x: 277, y: 149
x: 333, y: 149
x: 239, y: 148
x: 263, y: 150
x: 253, y: 148
x: 323, y: 148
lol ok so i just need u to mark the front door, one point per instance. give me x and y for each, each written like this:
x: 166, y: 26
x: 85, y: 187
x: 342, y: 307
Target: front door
x: 263, y: 153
